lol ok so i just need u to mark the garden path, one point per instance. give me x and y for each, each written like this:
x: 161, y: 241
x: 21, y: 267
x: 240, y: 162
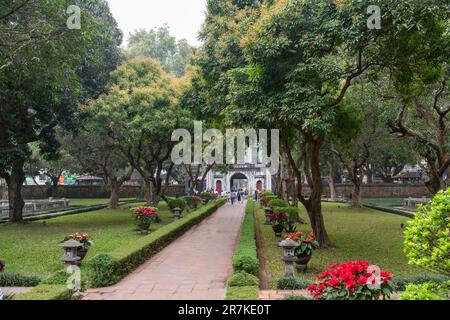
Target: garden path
x: 194, y: 267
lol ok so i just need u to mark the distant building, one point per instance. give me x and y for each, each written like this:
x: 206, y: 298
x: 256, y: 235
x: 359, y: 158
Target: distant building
x: 89, y: 181
x: 409, y: 175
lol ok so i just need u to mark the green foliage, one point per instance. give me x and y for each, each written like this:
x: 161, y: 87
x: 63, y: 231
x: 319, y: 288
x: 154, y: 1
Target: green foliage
x: 46, y: 292
x: 207, y: 196
x: 294, y: 297
x: 427, y: 291
x: 243, y: 279
x: 18, y: 280
x: 177, y: 203
x: 108, y: 269
x: 267, y: 194
x: 401, y: 282
x: 277, y: 203
x: 243, y: 293
x: 292, y: 283
x: 245, y: 258
x: 160, y: 45
x: 427, y: 238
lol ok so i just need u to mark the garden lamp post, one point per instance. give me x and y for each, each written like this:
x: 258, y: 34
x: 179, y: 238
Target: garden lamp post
x: 177, y: 213
x: 71, y: 257
x: 289, y: 257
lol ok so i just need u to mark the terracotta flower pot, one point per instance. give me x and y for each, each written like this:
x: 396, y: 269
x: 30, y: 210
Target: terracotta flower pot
x: 302, y: 261
x: 278, y: 229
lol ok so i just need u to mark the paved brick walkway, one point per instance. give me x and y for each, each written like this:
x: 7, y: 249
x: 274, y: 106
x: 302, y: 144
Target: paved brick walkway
x: 194, y: 267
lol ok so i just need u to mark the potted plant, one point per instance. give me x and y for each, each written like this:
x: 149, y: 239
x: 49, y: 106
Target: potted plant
x: 352, y: 281
x: 196, y: 201
x: 206, y: 197
x: 278, y: 219
x: 84, y: 240
x: 145, y: 217
x: 307, y: 245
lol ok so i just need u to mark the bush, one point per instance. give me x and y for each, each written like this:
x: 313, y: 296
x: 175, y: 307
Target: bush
x: 267, y: 194
x: 401, y: 282
x: 188, y: 201
x: 46, y: 292
x: 427, y: 238
x: 17, y: 280
x: 107, y: 269
x: 243, y: 293
x: 207, y: 196
x: 294, y: 297
x: 277, y: 203
x: 246, y: 257
x: 176, y: 203
x: 292, y: 283
x: 427, y: 291
x: 243, y: 279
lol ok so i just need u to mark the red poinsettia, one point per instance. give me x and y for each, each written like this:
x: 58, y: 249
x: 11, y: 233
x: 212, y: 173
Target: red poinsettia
x: 83, y: 238
x: 145, y: 215
x: 352, y: 281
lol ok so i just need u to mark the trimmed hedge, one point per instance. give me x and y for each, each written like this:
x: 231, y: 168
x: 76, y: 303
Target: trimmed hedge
x: 243, y: 279
x: 277, y: 203
x: 107, y: 269
x: 47, y: 292
x: 246, y: 257
x: 292, y: 283
x: 18, y: 280
x: 402, y: 282
x: 244, y: 284
x: 242, y: 293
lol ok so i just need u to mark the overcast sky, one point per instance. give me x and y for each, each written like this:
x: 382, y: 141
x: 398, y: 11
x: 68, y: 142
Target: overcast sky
x: 184, y: 17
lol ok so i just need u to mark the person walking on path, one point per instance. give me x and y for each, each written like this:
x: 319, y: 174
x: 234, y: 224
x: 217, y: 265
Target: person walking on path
x: 239, y: 196
x: 233, y: 197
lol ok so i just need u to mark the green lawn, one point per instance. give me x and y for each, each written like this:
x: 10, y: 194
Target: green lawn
x: 32, y: 249
x: 90, y: 202
x: 360, y: 234
x: 385, y: 202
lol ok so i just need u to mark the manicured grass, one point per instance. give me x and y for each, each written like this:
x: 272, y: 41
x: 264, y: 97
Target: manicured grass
x: 360, y: 234
x: 385, y: 202
x: 32, y: 248
x: 90, y: 202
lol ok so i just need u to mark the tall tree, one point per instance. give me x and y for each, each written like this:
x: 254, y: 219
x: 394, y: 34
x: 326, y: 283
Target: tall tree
x: 44, y: 66
x: 160, y: 45
x: 139, y: 112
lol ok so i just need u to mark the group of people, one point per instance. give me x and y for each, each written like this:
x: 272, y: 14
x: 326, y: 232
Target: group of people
x: 235, y: 196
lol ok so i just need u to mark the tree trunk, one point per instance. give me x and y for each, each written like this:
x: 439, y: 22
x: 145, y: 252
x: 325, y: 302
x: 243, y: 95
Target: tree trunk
x: 331, y: 182
x: 315, y: 202
x: 15, y: 182
x: 435, y: 184
x: 356, y: 194
x: 114, y: 195
x: 148, y: 191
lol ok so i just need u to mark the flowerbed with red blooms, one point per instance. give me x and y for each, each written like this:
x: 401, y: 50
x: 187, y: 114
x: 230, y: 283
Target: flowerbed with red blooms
x: 308, y: 242
x: 145, y: 215
x: 82, y: 238
x: 352, y: 281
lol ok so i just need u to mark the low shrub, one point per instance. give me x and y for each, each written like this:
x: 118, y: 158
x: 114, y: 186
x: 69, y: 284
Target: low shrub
x: 401, y: 282
x: 207, y: 196
x: 292, y: 283
x: 246, y: 258
x: 267, y: 194
x: 188, y: 200
x: 277, y: 203
x: 293, y: 297
x: 427, y: 291
x: 242, y: 293
x: 177, y: 203
x: 107, y: 269
x: 18, y: 280
x: 46, y: 292
x: 243, y: 279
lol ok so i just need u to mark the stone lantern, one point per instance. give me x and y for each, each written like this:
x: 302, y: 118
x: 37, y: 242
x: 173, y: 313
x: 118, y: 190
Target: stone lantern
x: 289, y: 257
x: 268, y: 212
x: 177, y: 213
x: 71, y: 257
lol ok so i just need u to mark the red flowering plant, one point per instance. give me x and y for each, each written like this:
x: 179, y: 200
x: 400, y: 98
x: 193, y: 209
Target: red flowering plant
x: 308, y: 243
x: 278, y: 218
x: 82, y: 238
x: 265, y: 200
x: 145, y: 216
x: 352, y: 281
